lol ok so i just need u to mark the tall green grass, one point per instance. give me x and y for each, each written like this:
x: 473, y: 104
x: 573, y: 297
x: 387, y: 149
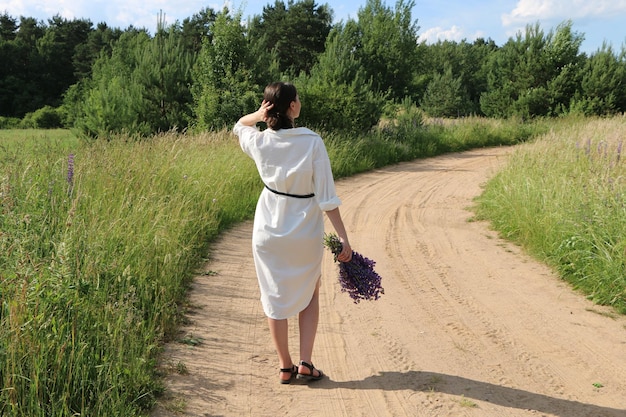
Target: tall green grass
x: 563, y: 198
x: 98, y: 241
x: 93, y: 268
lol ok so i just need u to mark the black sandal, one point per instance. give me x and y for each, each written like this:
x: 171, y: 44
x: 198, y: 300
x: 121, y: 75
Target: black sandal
x: 293, y: 370
x: 310, y: 376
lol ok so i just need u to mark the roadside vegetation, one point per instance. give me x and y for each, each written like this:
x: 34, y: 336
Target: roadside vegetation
x: 97, y: 243
x: 563, y: 198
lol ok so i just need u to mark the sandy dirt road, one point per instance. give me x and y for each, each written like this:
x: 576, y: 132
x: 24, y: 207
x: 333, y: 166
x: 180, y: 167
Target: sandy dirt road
x: 468, y: 325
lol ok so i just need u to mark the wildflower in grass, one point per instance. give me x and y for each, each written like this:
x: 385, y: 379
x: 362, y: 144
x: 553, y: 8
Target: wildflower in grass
x: 603, y: 149
x: 356, y: 277
x: 619, y: 150
x: 70, y: 173
x: 70, y: 168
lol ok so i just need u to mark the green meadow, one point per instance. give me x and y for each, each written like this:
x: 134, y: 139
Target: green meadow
x: 99, y: 239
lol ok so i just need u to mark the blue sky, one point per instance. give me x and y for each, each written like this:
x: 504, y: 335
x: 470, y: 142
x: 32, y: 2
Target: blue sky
x: 598, y: 20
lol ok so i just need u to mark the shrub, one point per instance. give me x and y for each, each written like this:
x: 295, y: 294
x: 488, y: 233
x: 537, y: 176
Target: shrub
x: 47, y: 118
x: 9, y: 122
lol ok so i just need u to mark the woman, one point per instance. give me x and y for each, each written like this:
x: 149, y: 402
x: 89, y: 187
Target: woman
x: 287, y: 238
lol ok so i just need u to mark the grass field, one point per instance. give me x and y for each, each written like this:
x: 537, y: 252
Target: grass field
x: 98, y: 240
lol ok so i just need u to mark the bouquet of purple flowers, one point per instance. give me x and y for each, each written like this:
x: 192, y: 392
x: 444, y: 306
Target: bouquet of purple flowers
x: 356, y: 277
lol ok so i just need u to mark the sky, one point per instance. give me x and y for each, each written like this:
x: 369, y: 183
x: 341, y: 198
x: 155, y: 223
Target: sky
x: 598, y: 20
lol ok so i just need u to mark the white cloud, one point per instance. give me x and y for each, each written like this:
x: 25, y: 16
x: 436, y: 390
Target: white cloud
x: 438, y: 33
x: 64, y: 8
x: 455, y: 33
x: 528, y: 11
x: 14, y: 8
x: 144, y: 14
x: 116, y: 13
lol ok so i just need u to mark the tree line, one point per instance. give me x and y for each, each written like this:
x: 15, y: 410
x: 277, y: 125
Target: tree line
x: 209, y: 69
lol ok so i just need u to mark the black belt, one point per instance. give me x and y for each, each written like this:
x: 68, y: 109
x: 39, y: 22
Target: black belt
x: 291, y: 195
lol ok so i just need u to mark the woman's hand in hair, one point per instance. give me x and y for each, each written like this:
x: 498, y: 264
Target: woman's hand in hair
x: 265, y: 107
x: 258, y: 116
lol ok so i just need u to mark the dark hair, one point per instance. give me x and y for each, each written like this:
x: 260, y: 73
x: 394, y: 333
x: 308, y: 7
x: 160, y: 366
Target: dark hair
x: 281, y: 95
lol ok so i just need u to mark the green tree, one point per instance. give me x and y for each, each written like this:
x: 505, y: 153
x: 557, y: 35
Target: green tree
x: 8, y: 27
x: 29, y: 31
x: 567, y: 62
x: 514, y: 70
x: 109, y: 101
x: 223, y: 81
x: 196, y: 28
x: 445, y: 96
x: 99, y: 41
x: 338, y: 95
x: 37, y: 61
x: 498, y: 102
x: 603, y: 84
x: 142, y: 88
x: 296, y: 32
x: 386, y: 44
x: 164, y: 71
x: 466, y: 62
x: 534, y: 74
x: 9, y: 83
x: 56, y: 51
x: 21, y: 69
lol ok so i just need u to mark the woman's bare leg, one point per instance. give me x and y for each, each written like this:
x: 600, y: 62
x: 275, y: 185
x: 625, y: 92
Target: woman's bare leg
x: 308, y: 320
x: 280, y: 335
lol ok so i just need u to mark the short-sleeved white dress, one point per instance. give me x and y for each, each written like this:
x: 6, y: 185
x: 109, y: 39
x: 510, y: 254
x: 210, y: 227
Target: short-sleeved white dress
x: 287, y: 237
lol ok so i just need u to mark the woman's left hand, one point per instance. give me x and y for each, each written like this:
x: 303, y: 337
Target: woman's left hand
x: 346, y: 252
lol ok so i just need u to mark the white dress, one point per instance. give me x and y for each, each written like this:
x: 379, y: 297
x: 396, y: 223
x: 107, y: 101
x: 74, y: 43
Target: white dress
x: 287, y: 237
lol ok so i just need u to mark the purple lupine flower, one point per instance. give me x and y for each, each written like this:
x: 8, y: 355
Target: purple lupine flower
x: 619, y: 150
x: 70, y: 172
x: 602, y: 149
x: 356, y: 277
x: 70, y: 169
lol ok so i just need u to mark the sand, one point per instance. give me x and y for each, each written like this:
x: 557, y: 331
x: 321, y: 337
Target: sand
x: 469, y: 324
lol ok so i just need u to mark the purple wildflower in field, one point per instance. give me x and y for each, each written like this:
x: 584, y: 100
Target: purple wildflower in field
x: 356, y: 277
x: 603, y: 149
x: 70, y: 172
x: 619, y: 150
x: 70, y: 168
